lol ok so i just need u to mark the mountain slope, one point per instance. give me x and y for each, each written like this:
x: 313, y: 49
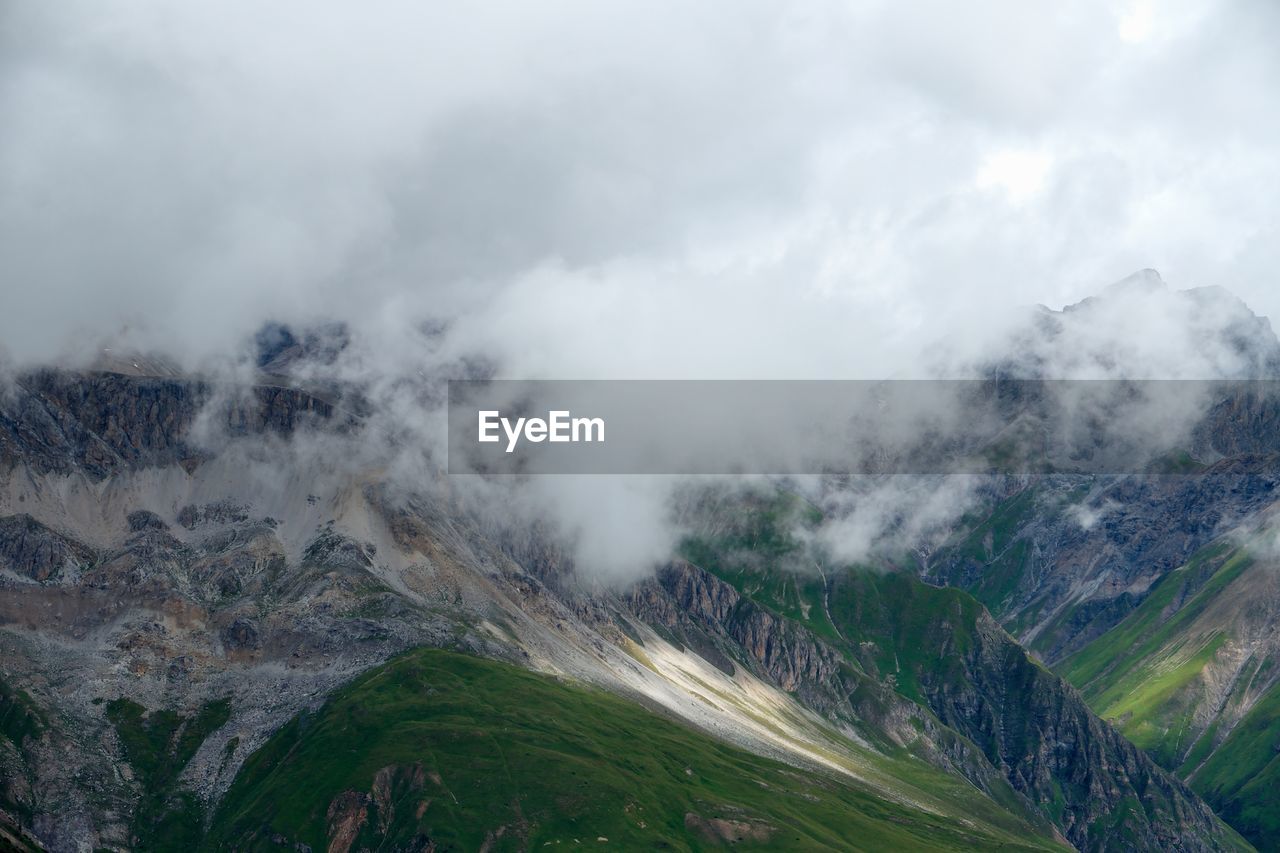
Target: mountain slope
x: 186, y: 567
x: 1191, y: 675
x: 1143, y: 593
x: 441, y: 751
x: 942, y: 650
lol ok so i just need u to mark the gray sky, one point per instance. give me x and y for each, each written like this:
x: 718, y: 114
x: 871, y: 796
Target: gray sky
x: 626, y: 188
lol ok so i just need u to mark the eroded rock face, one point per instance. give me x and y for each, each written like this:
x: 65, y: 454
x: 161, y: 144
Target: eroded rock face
x: 788, y: 655
x: 347, y: 815
x: 31, y: 550
x: 352, y: 811
x: 174, y: 624
x: 97, y: 424
x: 1079, y: 554
x: 1052, y: 747
x: 717, y: 830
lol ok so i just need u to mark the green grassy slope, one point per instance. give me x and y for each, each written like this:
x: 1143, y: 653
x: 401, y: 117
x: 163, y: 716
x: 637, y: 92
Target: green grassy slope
x: 991, y: 560
x: 1139, y: 674
x: 1241, y: 777
x: 1153, y: 676
x: 158, y: 746
x: 21, y: 722
x: 469, y: 752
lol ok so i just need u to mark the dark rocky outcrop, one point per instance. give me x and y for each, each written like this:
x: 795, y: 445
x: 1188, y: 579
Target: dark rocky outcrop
x: 98, y: 423
x: 32, y: 550
x: 1107, y: 793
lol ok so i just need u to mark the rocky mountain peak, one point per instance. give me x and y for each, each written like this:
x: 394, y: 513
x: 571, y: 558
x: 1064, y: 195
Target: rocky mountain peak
x: 1140, y: 328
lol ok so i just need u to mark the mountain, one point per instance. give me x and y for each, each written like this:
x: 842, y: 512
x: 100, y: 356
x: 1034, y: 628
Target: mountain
x: 940, y: 648
x: 1154, y: 592
x: 1178, y: 652
x: 1140, y: 328
x: 207, y: 597
x: 1191, y: 676
x: 1061, y: 558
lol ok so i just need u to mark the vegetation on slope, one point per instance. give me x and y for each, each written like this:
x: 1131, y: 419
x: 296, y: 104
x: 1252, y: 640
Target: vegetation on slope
x: 465, y: 753
x: 20, y: 722
x: 1242, y: 775
x: 938, y: 647
x: 19, y: 717
x: 158, y: 746
x: 1136, y: 674
x: 989, y: 556
x: 1149, y: 676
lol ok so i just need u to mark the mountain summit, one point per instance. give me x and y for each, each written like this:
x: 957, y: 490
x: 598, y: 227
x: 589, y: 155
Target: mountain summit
x: 1140, y: 328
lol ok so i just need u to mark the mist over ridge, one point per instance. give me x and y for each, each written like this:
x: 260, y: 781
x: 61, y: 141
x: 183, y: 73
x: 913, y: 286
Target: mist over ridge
x: 928, y: 489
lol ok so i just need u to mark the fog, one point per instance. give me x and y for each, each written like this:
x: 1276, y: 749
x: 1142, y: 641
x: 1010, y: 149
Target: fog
x: 638, y: 190
x: 649, y: 189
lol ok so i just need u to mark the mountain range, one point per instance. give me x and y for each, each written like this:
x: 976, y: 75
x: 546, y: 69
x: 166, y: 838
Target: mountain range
x: 221, y: 629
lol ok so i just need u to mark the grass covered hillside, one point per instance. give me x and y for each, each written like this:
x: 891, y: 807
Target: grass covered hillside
x: 438, y: 748
x: 1191, y: 676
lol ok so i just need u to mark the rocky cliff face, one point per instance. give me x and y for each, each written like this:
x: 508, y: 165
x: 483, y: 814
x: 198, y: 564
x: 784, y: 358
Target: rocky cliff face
x: 101, y: 423
x: 1103, y: 791
x: 1060, y: 559
x: 1022, y: 725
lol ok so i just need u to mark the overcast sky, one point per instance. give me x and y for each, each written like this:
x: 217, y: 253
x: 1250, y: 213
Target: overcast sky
x: 625, y: 188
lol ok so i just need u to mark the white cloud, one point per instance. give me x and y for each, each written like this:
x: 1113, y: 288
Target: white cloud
x: 631, y: 189
x: 1137, y: 22
x: 1020, y: 174
x: 715, y: 177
